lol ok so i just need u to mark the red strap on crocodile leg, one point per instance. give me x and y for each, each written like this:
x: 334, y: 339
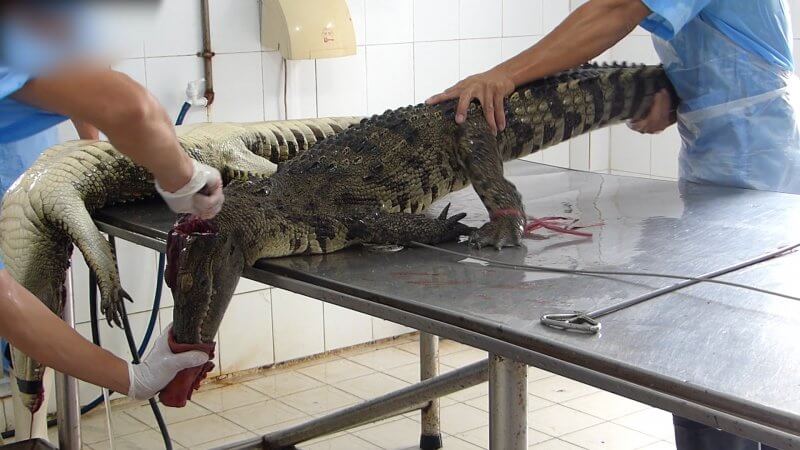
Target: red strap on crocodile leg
x: 180, y: 389
x: 551, y: 223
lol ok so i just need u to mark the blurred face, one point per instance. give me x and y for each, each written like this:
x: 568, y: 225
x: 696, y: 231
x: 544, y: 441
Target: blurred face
x: 42, y: 35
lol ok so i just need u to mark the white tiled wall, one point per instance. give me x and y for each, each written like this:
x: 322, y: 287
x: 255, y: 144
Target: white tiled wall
x: 407, y: 51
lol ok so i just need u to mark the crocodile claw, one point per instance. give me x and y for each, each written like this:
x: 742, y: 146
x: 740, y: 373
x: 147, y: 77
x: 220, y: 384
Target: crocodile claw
x: 499, y: 233
x: 111, y: 306
x: 453, y: 228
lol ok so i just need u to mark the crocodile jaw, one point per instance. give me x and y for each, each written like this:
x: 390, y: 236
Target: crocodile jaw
x: 203, y: 269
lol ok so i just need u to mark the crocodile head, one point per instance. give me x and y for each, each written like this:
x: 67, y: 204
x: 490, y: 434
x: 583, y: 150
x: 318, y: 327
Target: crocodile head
x: 204, y: 266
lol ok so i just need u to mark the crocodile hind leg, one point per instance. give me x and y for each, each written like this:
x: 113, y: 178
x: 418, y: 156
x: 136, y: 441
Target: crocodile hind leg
x: 49, y: 289
x: 484, y: 166
x: 79, y: 226
x: 403, y: 228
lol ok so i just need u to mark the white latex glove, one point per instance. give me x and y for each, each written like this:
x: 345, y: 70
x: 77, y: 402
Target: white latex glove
x: 159, y: 367
x: 190, y: 200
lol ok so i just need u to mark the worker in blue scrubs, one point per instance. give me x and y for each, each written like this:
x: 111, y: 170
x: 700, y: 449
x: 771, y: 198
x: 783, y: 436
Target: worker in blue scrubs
x: 47, y: 75
x: 731, y: 64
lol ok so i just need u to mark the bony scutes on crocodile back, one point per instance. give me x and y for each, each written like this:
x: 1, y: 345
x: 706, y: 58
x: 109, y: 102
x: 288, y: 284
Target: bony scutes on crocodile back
x: 371, y: 184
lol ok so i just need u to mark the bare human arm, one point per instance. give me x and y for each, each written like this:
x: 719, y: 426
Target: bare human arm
x: 33, y: 329
x: 586, y: 33
x: 135, y: 124
x: 86, y: 131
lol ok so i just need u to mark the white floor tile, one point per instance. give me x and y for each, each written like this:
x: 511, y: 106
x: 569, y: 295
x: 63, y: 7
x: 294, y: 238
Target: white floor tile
x: 396, y: 434
x: 609, y: 436
x: 143, y: 440
x: 93, y: 425
x: 559, y: 389
x: 335, y: 371
x: 660, y: 445
x: 371, y: 386
x: 558, y: 420
x: 223, y: 399
x: 387, y: 358
x: 320, y: 400
x: 460, y: 418
x: 224, y: 441
x: 481, y: 390
x: 205, y: 429
x: 554, y: 444
x: 263, y: 414
x: 605, y: 405
x: 283, y: 384
x: 653, y: 422
x: 144, y: 414
x: 347, y: 441
x: 464, y: 358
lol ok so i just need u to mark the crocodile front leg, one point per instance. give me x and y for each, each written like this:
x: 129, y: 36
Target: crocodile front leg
x: 403, y: 229
x: 483, y: 163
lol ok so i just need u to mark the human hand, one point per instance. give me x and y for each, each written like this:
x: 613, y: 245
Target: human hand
x: 202, y: 196
x: 661, y: 116
x: 159, y: 368
x: 490, y: 88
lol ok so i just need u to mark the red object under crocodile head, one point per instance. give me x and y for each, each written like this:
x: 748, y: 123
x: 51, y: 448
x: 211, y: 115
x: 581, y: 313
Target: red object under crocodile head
x: 180, y: 389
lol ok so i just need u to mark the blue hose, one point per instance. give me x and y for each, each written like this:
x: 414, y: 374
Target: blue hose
x: 182, y: 115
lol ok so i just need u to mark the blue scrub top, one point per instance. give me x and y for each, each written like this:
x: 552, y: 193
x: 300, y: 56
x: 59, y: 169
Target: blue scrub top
x: 25, y: 131
x: 18, y: 120
x: 760, y: 26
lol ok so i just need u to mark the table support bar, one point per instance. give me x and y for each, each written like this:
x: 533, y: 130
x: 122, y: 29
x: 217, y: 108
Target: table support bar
x: 508, y: 403
x: 405, y: 400
x: 69, y: 409
x: 431, y: 438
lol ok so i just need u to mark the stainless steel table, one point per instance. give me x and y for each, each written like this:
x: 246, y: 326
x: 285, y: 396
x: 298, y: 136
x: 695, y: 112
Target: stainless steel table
x: 722, y: 356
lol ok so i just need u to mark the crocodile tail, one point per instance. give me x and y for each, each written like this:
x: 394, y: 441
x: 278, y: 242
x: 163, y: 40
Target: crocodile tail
x: 280, y: 141
x: 553, y: 110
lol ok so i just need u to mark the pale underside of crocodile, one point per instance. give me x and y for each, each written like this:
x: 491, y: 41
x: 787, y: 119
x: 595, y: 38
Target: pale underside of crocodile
x: 49, y: 208
x: 371, y: 184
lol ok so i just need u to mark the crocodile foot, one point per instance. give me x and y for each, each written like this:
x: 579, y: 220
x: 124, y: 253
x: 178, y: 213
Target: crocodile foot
x: 111, y: 303
x: 451, y: 228
x: 505, y: 231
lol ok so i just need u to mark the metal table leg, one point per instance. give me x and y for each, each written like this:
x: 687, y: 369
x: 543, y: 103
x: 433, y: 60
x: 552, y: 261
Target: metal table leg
x: 431, y: 438
x: 69, y: 409
x: 508, y: 404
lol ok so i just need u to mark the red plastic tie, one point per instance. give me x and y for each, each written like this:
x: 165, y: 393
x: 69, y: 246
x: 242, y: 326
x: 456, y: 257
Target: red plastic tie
x: 556, y: 224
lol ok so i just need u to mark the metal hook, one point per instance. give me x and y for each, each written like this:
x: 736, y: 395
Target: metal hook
x: 572, y: 322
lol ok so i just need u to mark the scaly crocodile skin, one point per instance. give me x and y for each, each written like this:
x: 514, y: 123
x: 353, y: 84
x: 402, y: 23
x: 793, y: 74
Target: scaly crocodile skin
x: 369, y: 185
x: 48, y: 209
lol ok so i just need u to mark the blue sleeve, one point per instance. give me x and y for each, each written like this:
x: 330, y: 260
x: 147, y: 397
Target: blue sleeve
x: 11, y: 81
x: 670, y: 16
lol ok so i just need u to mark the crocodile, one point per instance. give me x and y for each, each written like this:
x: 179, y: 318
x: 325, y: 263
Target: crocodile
x: 372, y: 183
x: 48, y: 209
